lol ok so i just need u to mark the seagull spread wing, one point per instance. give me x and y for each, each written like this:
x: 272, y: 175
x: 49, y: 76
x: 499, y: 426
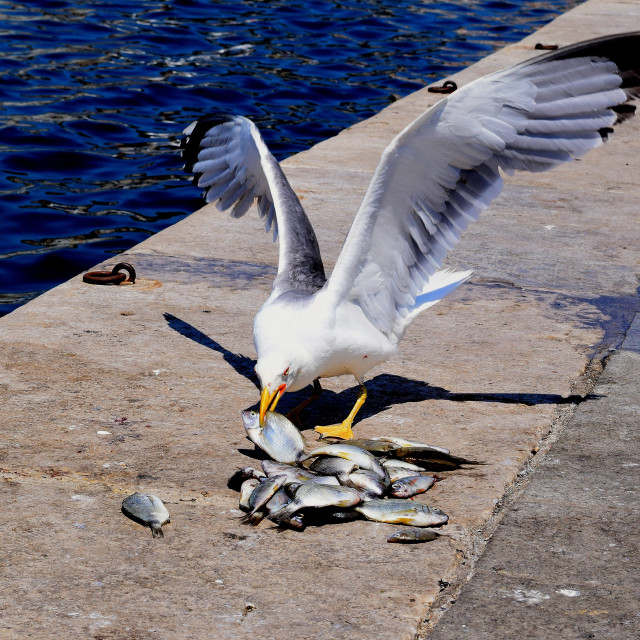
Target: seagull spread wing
x: 439, y: 173
x: 233, y: 165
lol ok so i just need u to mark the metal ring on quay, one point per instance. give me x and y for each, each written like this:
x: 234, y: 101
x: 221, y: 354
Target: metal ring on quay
x: 448, y: 87
x: 111, y: 277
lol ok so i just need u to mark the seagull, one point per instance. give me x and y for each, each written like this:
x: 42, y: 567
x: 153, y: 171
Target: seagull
x: 433, y: 179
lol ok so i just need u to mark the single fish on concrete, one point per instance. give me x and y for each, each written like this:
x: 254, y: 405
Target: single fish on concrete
x: 407, y: 512
x: 316, y: 495
x: 413, y: 536
x: 148, y: 510
x: 279, y: 437
x: 410, y: 486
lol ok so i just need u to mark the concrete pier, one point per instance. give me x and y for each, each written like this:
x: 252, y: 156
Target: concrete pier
x: 109, y: 390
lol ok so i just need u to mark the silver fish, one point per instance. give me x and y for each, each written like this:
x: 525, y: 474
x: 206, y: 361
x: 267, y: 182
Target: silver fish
x: 393, y: 463
x: 246, y: 489
x: 411, y: 486
x: 413, y: 536
x: 331, y: 466
x: 397, y: 473
x: 402, y: 512
x: 332, y: 480
x: 402, y: 443
x: 260, y: 496
x: 318, y: 495
x: 146, y: 509
x: 281, y: 499
x: 373, y: 445
x: 279, y: 437
x: 278, y: 500
x: 293, y: 474
x: 362, y: 458
x: 367, y: 481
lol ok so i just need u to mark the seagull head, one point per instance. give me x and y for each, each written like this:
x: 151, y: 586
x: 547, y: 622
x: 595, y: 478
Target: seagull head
x: 276, y: 374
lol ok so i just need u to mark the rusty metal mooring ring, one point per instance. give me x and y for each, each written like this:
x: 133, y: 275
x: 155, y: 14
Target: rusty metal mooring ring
x: 111, y: 277
x: 448, y: 87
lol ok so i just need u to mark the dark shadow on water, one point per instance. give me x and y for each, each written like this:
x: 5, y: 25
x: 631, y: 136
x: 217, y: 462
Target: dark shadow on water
x: 385, y: 390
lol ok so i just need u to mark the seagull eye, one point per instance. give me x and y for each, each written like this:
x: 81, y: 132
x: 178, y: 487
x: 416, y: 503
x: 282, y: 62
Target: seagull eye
x: 285, y: 373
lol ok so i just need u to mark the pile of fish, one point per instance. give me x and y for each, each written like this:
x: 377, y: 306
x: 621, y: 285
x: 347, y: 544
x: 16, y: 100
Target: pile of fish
x: 342, y: 481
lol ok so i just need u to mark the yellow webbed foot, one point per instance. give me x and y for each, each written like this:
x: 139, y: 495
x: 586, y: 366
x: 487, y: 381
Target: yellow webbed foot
x: 342, y: 430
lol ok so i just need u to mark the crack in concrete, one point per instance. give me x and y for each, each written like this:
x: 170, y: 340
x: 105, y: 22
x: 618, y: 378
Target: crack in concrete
x: 476, y: 542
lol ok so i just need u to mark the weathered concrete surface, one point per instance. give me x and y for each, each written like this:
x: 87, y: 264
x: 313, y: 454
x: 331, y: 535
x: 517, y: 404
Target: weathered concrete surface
x: 157, y: 365
x: 563, y: 563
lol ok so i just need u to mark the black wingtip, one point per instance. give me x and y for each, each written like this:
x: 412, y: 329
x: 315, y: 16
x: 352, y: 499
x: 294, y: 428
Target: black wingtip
x: 621, y: 48
x: 190, y: 143
x: 624, y: 111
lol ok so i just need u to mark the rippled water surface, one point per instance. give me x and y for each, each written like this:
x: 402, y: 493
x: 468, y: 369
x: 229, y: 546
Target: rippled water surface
x: 94, y: 96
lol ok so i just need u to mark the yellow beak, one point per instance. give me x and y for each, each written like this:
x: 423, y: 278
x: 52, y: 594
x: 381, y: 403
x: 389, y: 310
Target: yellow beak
x: 269, y: 400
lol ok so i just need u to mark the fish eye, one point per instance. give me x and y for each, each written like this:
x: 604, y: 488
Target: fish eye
x: 285, y: 372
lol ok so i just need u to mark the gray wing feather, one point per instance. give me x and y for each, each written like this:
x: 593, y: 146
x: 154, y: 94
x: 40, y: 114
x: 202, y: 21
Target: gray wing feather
x: 232, y: 164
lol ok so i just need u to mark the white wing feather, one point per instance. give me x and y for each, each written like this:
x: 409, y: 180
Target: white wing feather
x: 439, y: 173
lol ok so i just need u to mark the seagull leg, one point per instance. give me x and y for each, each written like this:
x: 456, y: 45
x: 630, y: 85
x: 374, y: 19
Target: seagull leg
x: 294, y: 414
x: 343, y: 430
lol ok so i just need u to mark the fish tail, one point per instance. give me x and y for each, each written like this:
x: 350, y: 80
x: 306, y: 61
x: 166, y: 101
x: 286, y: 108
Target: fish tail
x: 156, y: 530
x: 253, y: 519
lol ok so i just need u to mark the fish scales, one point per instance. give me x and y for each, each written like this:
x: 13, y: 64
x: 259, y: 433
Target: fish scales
x: 279, y: 437
x: 313, y: 495
x: 147, y: 509
x: 395, y: 511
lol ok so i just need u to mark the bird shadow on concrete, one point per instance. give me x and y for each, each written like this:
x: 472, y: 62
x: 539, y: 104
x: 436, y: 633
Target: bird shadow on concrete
x: 385, y: 390
x: 242, y: 364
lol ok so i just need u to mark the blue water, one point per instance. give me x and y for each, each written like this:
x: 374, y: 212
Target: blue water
x: 94, y: 96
